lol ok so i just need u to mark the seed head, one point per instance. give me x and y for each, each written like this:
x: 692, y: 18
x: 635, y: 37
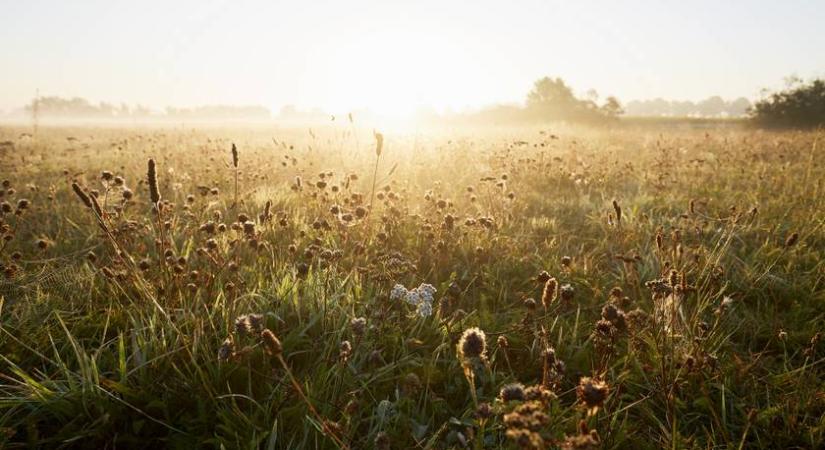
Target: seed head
x: 592, y: 392
x: 271, y: 342
x: 82, y: 195
x: 234, y: 155
x: 792, y: 239
x: 618, y: 210
x: 227, y: 349
x: 473, y: 344
x: 152, y: 178
x: 511, y: 392
x: 548, y: 295
x: 358, y: 326
x: 379, y: 143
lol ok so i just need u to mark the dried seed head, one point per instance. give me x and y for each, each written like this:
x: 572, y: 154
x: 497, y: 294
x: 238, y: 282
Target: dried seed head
x: 473, y: 344
x: 512, y: 392
x: 548, y: 295
x: 358, y: 326
x: 344, y: 351
x: 256, y: 322
x: 379, y: 143
x: 152, y: 178
x: 234, y: 155
x: 271, y: 342
x: 592, y: 392
x: 543, y: 276
x: 792, y: 239
x: 484, y: 411
x: 242, y: 325
x: 82, y: 195
x: 618, y: 210
x: 227, y: 349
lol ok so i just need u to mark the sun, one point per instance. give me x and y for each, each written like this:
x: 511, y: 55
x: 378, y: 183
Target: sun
x: 393, y: 74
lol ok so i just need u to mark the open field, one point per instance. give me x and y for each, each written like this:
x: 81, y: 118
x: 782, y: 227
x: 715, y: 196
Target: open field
x: 646, y: 288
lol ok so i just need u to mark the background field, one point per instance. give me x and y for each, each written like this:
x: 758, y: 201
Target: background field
x: 119, y: 328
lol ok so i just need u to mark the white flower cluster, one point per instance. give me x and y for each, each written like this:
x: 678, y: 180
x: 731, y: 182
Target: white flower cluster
x: 421, y: 297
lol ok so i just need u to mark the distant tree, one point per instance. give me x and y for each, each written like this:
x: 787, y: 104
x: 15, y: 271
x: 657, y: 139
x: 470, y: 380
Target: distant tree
x: 800, y: 105
x: 553, y: 99
x: 739, y: 107
x: 548, y: 92
x: 712, y: 106
x: 612, y: 108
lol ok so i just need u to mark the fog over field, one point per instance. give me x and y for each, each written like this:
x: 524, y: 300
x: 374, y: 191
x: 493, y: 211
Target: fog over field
x: 394, y: 225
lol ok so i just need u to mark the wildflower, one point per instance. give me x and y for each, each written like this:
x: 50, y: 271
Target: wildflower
x: 421, y: 297
x: 398, y: 292
x: 425, y: 309
x: 426, y: 292
x: 413, y: 297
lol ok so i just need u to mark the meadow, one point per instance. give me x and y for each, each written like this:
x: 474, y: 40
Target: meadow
x: 554, y: 287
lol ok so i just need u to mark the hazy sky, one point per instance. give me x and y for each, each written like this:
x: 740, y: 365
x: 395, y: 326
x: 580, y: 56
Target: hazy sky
x: 395, y: 56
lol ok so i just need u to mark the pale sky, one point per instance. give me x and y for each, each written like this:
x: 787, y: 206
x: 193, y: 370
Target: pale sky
x: 395, y: 56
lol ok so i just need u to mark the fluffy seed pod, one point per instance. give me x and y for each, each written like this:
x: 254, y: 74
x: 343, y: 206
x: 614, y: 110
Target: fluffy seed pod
x: 473, y: 344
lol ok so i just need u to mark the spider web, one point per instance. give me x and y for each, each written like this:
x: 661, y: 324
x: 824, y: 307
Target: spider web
x: 60, y: 275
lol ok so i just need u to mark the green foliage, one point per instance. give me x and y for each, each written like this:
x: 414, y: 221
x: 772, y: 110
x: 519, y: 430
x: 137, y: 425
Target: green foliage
x: 801, y: 105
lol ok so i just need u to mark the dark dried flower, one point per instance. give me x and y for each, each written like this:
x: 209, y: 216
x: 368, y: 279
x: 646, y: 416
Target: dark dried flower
x: 271, y: 342
x: 473, y: 344
x: 512, y: 392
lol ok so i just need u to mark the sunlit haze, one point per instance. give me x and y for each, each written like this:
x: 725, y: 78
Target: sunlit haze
x: 397, y: 57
